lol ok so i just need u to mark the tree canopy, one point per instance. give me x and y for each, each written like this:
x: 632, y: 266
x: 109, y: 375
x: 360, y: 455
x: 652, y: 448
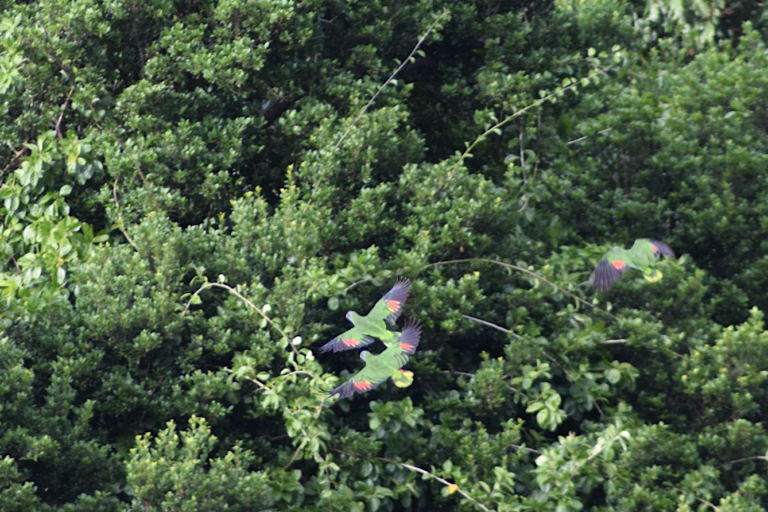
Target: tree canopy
x: 194, y: 193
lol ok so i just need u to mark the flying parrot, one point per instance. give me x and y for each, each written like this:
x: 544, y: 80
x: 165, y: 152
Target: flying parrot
x: 642, y: 256
x: 386, y: 365
x: 374, y: 324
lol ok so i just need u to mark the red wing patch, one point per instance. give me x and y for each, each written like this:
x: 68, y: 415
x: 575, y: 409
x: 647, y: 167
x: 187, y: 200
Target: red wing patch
x: 393, y: 305
x: 363, y: 385
x: 655, y: 249
x: 406, y: 346
x: 619, y: 264
x: 346, y: 341
x: 350, y: 342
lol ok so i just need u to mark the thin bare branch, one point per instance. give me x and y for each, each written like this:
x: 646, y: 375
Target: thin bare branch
x: 702, y: 500
x: 370, y: 102
x: 524, y: 270
x: 744, y: 459
x: 494, y: 326
x: 449, y: 372
x: 357, y: 283
x: 241, y: 297
x: 518, y: 447
x: 391, y: 77
x: 504, y: 121
x: 441, y: 480
x: 251, y: 379
x: 522, y: 158
x: 587, y: 136
x: 130, y: 155
x: 120, y: 216
x: 61, y: 116
x: 134, y: 17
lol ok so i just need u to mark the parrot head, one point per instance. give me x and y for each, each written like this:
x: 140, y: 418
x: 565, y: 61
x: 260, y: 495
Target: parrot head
x: 364, y: 355
x: 352, y: 316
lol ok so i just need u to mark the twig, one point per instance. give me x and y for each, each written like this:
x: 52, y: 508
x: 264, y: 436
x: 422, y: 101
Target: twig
x: 521, y: 269
x: 457, y: 373
x: 297, y: 372
x: 120, y: 216
x: 130, y: 154
x: 497, y: 327
x: 615, y: 341
x: 694, y: 495
x: 599, y: 451
x: 360, y: 115
x: 558, y: 364
x: 501, y: 123
x: 251, y: 379
x: 296, y: 453
x: 578, y: 140
x: 587, y: 136
x: 517, y: 446
x: 441, y: 480
x: 61, y: 116
x: 392, y: 76
x: 241, y: 297
x: 16, y: 154
x: 67, y: 72
x: 522, y: 158
x: 134, y: 15
x: 754, y: 457
x: 538, y: 139
x: 357, y: 283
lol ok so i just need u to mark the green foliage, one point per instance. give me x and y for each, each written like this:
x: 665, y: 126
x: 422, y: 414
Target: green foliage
x: 193, y: 195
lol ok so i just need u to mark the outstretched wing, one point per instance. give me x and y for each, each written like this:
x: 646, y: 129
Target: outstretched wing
x: 390, y: 305
x: 362, y: 381
x: 353, y: 338
x: 608, y: 271
x: 661, y: 248
x: 409, y: 338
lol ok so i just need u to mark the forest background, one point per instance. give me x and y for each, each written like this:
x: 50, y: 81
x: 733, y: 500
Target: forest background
x: 193, y: 194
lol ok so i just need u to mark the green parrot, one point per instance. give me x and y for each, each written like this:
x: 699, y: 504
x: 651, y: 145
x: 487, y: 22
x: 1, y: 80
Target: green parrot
x: 386, y: 365
x: 374, y: 324
x: 642, y: 256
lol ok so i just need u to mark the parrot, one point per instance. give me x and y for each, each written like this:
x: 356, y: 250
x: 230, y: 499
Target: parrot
x: 642, y: 256
x: 374, y: 324
x: 386, y: 365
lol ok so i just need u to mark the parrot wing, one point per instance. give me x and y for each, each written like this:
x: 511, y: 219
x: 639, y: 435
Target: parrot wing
x: 390, y: 306
x: 408, y: 340
x: 385, y: 365
x: 609, y: 270
x: 661, y: 248
x: 353, y: 338
x: 364, y: 380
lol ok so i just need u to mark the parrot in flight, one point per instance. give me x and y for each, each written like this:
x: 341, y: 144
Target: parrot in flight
x: 386, y: 365
x: 642, y: 256
x: 374, y: 324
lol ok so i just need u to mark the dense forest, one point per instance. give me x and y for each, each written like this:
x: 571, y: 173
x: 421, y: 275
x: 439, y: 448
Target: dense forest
x: 193, y: 195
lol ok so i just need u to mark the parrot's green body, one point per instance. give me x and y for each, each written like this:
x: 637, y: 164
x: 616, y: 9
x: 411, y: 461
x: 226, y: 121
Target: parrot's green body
x: 374, y: 324
x: 642, y: 256
x: 388, y: 364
